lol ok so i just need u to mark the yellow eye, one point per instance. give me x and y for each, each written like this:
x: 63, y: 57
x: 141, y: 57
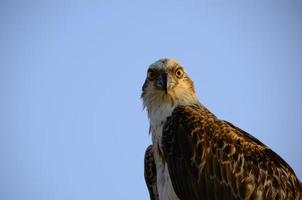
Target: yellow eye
x: 151, y: 75
x: 179, y: 73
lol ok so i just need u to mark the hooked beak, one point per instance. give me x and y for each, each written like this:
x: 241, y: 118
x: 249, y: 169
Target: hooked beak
x: 161, y: 82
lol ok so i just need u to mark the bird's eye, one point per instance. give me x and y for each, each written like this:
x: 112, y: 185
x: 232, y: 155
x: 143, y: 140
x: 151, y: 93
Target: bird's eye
x: 151, y: 75
x: 179, y: 73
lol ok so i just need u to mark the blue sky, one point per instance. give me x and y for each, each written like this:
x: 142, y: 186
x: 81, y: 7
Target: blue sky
x: 71, y: 121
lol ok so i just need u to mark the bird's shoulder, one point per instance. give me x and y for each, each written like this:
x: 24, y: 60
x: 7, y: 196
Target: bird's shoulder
x: 219, y: 154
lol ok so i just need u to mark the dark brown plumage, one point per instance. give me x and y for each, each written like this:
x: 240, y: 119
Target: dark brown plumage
x: 150, y: 173
x: 212, y: 159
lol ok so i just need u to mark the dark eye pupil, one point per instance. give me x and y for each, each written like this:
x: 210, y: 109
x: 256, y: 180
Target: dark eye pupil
x: 151, y: 75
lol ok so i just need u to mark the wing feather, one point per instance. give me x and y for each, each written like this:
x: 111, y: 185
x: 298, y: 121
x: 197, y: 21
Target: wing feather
x: 212, y: 159
x: 150, y: 173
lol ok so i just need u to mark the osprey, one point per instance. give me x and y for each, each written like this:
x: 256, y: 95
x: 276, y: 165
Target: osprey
x: 195, y: 155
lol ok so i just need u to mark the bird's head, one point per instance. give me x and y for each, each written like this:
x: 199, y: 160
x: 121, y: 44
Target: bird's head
x: 167, y: 83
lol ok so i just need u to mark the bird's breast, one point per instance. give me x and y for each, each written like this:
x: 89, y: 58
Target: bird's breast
x: 158, y: 117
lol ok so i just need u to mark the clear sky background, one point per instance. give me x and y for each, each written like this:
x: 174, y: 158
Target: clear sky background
x: 71, y: 121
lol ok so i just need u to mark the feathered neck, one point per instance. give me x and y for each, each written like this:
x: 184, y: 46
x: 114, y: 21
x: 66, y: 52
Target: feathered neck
x: 161, y: 100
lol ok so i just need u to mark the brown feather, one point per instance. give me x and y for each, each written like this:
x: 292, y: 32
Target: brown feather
x: 150, y: 173
x: 210, y: 159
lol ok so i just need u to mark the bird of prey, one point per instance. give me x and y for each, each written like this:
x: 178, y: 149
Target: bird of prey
x: 196, y: 156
